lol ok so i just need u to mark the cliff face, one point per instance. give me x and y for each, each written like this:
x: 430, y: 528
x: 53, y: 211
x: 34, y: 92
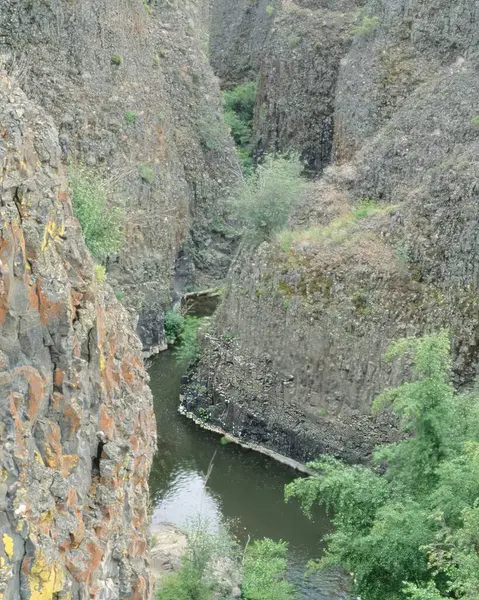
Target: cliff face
x: 293, y: 50
x: 77, y: 426
x: 385, y: 245
x: 130, y: 89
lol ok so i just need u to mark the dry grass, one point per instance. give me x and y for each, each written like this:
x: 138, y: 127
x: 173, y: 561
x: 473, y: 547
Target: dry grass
x: 351, y: 241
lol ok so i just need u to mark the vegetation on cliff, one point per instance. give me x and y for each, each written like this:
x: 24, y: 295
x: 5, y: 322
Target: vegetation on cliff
x: 414, y: 530
x: 214, y: 563
x: 101, y: 222
x: 268, y: 197
x: 238, y: 107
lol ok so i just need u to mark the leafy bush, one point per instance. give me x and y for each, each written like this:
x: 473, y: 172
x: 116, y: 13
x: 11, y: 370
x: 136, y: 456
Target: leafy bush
x: 267, y: 198
x: 414, y: 531
x: 147, y: 173
x: 188, y: 347
x: 293, y: 40
x: 174, y: 323
x: 100, y: 273
x: 264, y: 572
x: 101, y: 223
x: 238, y: 106
x: 131, y: 117
x: 197, y: 578
x: 366, y: 26
x: 200, y: 576
x: 270, y: 10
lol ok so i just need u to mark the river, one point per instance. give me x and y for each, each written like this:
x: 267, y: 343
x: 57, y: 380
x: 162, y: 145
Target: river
x: 245, y: 488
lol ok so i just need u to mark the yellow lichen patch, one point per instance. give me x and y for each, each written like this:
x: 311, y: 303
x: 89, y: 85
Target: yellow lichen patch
x: 102, y: 362
x: 47, y: 516
x: 45, y: 579
x: 52, y: 232
x: 38, y: 458
x: 8, y: 545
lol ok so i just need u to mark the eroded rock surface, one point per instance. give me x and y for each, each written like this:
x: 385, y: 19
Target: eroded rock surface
x: 132, y: 94
x: 77, y: 425
x: 386, y: 243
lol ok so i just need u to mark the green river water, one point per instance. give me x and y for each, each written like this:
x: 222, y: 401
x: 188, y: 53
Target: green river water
x: 245, y: 488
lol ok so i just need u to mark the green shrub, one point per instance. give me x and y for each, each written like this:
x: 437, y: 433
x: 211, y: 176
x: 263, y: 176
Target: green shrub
x: 174, y: 323
x: 116, y: 60
x: 414, y: 531
x: 119, y: 295
x: 188, y: 347
x: 212, y: 132
x: 100, y: 273
x: 238, y: 106
x: 147, y: 173
x: 131, y: 117
x: 264, y: 572
x: 267, y: 198
x: 101, y: 223
x: 293, y: 40
x: 270, y: 10
x: 195, y: 579
x: 366, y: 26
x: 475, y: 121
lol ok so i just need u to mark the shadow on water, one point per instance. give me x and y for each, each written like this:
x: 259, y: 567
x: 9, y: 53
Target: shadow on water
x: 244, y: 487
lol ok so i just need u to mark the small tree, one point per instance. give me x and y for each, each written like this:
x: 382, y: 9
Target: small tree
x: 268, y: 197
x: 413, y: 532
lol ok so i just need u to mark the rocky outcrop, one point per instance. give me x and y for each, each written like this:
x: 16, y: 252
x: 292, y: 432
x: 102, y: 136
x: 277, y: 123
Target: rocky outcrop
x: 77, y: 426
x: 293, y: 50
x: 301, y: 61
x: 130, y: 89
x: 385, y: 245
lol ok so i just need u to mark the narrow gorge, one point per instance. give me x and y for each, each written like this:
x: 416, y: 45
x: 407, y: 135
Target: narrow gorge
x: 311, y: 167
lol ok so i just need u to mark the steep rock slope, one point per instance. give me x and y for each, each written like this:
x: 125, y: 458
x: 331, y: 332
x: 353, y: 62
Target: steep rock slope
x: 385, y: 246
x: 129, y: 86
x: 293, y: 50
x: 77, y: 426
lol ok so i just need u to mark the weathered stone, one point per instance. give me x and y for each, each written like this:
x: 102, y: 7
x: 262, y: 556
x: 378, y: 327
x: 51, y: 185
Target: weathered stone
x: 67, y: 358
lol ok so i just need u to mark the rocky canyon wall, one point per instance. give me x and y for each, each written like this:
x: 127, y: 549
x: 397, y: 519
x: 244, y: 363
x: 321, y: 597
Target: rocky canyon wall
x: 77, y: 426
x: 130, y: 89
x: 384, y: 246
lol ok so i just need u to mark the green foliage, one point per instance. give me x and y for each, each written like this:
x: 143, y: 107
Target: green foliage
x: 188, y: 348
x: 101, y: 223
x: 119, y: 295
x: 414, y: 531
x: 264, y: 572
x: 196, y: 578
x: 365, y: 208
x: 100, y: 273
x: 212, y: 132
x: 475, y: 121
x: 366, y: 26
x: 116, y: 60
x: 293, y: 40
x: 147, y: 173
x: 267, y: 198
x: 270, y: 10
x: 238, y: 106
x: 131, y: 117
x: 174, y: 323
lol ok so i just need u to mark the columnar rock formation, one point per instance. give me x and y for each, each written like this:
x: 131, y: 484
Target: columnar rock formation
x: 77, y: 426
x: 386, y: 243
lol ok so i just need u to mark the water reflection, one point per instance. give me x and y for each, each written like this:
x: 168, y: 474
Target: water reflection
x: 245, y: 488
